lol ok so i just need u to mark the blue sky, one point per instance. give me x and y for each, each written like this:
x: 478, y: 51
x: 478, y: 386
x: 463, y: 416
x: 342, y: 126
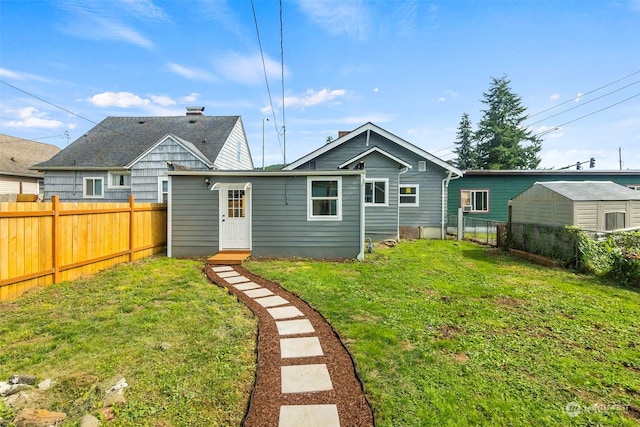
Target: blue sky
x: 411, y: 67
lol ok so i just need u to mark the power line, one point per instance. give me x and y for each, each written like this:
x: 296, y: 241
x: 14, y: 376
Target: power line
x: 266, y: 79
x: 284, y: 127
x: 584, y: 103
x: 555, y: 128
x: 587, y: 93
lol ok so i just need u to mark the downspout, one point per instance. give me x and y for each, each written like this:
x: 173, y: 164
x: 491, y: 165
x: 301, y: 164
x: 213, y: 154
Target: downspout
x: 169, y: 217
x: 360, y: 256
x: 445, y: 189
x: 404, y: 170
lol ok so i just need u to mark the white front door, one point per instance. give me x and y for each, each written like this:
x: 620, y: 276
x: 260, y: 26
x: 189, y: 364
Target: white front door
x: 235, y: 216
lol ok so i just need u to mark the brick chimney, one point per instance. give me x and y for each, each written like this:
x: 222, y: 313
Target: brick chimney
x: 195, y: 111
x: 342, y: 133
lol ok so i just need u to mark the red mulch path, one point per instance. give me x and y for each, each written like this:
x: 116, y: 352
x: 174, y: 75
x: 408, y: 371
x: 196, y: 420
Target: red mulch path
x: 266, y: 398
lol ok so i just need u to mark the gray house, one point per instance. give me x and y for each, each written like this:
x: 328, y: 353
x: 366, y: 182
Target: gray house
x: 309, y: 214
x: 132, y: 155
x: 591, y: 205
x: 405, y: 190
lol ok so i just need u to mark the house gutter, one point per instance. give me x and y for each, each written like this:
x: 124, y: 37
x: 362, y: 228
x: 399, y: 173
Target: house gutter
x: 445, y: 189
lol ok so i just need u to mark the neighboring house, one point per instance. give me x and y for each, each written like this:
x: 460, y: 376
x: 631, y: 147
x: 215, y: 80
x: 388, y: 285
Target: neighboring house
x: 405, y: 187
x: 485, y: 194
x: 309, y: 214
x: 17, y: 155
x: 591, y: 205
x: 125, y: 156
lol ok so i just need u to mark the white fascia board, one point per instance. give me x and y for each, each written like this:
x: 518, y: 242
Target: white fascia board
x: 378, y: 150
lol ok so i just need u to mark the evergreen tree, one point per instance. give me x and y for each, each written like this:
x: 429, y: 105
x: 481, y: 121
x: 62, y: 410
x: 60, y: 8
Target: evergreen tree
x: 464, y: 141
x: 502, y: 142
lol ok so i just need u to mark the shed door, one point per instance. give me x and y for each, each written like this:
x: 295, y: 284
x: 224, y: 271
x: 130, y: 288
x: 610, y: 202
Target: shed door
x: 235, y: 216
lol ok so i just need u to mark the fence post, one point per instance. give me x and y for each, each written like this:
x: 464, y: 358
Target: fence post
x: 131, y: 227
x: 55, y: 200
x: 460, y: 224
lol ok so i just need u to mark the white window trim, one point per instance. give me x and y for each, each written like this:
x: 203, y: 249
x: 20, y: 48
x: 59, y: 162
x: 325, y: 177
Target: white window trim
x: 161, y: 179
x: 84, y: 187
x: 386, y: 191
x: 116, y: 187
x: 422, y: 166
x: 470, y: 207
x: 417, y: 202
x: 310, y: 216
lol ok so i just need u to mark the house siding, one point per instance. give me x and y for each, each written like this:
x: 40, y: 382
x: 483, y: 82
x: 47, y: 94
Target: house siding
x: 145, y: 172
x: 504, y: 187
x: 427, y: 214
x: 279, y: 218
x: 228, y: 158
x: 68, y: 186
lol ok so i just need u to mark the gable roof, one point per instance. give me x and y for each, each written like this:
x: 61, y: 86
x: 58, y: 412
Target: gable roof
x: 370, y: 127
x: 591, y: 190
x: 185, y: 144
x: 17, y: 155
x: 375, y: 150
x: 118, y: 141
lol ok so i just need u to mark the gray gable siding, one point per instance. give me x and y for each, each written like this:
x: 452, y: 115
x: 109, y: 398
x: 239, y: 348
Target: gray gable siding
x: 279, y: 218
x: 235, y: 154
x: 381, y: 222
x: 429, y: 211
x: 145, y: 172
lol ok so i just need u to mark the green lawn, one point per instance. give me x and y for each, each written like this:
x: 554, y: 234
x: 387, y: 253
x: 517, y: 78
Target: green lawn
x: 185, y: 347
x: 452, y: 333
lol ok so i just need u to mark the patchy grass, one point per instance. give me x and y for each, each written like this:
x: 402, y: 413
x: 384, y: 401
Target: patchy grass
x: 185, y: 346
x: 455, y: 334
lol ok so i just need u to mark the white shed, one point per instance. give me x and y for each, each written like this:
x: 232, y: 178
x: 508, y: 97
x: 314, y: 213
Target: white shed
x: 591, y: 205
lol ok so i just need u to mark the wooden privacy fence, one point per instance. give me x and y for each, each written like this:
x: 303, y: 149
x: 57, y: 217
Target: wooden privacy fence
x: 44, y: 243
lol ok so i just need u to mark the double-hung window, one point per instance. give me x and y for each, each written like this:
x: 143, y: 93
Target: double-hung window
x: 474, y: 200
x: 119, y: 180
x: 375, y: 192
x: 324, y: 196
x: 408, y: 195
x: 93, y: 187
x: 163, y: 189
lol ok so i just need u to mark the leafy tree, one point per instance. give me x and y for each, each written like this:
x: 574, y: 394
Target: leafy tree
x: 464, y: 141
x: 502, y: 142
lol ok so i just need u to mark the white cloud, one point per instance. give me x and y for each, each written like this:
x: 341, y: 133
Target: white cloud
x: 554, y: 96
x: 192, y: 97
x: 162, y: 100
x: 96, y: 20
x: 247, y: 69
x: 312, y: 97
x: 17, y: 75
x: 117, y: 99
x: 442, y: 99
x: 31, y: 117
x: 191, y: 73
x: 375, y: 89
x: 578, y: 97
x: 338, y: 16
x: 145, y: 9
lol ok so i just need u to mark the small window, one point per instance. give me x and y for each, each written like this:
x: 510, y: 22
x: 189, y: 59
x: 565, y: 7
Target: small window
x: 422, y: 166
x: 614, y: 220
x: 119, y: 180
x: 375, y: 192
x: 634, y: 187
x: 163, y: 189
x: 93, y: 187
x: 408, y: 194
x: 239, y: 151
x: 324, y: 198
x: 474, y: 200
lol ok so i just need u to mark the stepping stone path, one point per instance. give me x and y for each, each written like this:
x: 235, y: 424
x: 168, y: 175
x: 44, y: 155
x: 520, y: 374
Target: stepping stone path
x: 305, y: 377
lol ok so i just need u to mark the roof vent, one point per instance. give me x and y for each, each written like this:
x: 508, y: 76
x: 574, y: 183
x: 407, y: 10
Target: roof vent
x: 195, y: 111
x: 141, y: 122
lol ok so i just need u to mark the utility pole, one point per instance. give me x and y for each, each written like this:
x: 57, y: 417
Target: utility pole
x: 620, y: 156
